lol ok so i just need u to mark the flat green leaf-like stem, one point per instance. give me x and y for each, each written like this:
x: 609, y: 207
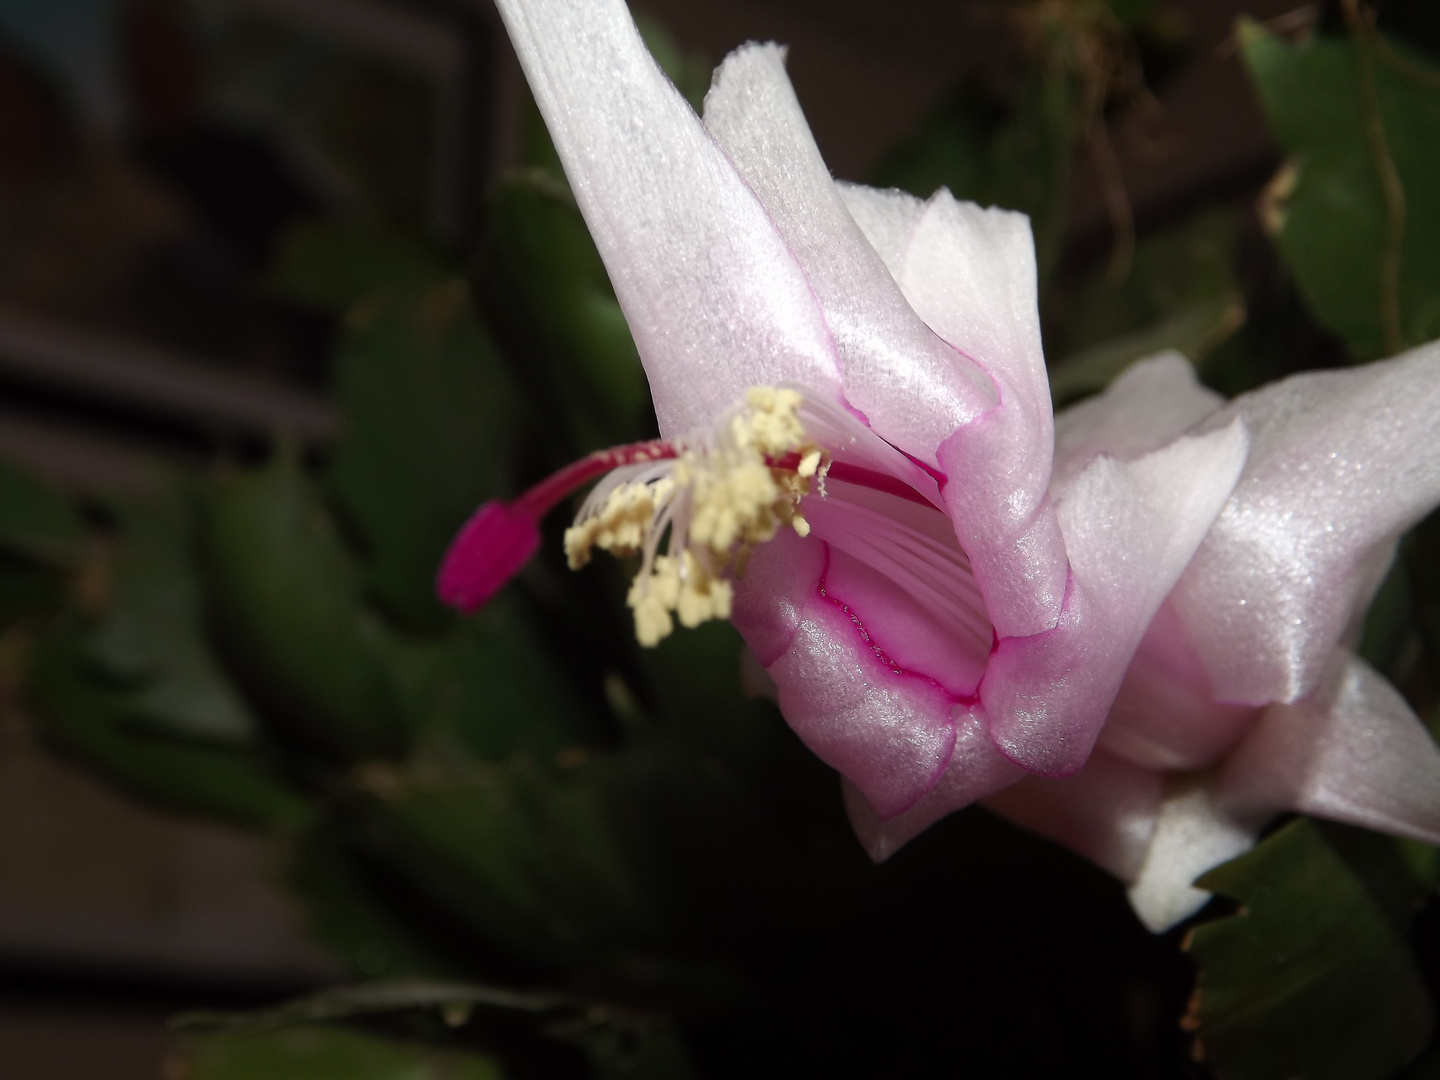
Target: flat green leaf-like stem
x: 329, y: 1053
x: 376, y: 999
x: 429, y: 412
x: 287, y: 600
x: 96, y: 722
x: 153, y: 637
x: 1312, y: 978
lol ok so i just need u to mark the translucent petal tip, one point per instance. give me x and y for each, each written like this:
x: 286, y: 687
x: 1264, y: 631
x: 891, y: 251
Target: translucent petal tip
x: 487, y: 552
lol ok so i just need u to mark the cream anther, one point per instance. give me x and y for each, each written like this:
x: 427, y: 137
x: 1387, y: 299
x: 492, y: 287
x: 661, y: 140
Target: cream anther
x: 727, y: 491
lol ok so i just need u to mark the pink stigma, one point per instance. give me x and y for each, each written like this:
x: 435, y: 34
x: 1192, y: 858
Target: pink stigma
x: 499, y: 539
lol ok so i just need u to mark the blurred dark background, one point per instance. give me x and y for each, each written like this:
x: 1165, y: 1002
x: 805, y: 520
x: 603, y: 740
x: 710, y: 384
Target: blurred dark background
x: 153, y: 153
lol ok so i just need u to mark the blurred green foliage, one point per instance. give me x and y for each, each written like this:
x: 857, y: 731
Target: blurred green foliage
x: 1328, y: 101
x: 40, y: 535
x: 551, y: 302
x: 315, y: 1052
x: 107, y: 725
x: 1013, y: 150
x: 1181, y: 293
x: 151, y: 637
x: 39, y: 525
x: 288, y: 604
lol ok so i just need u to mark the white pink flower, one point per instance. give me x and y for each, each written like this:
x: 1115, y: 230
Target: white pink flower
x: 1125, y: 629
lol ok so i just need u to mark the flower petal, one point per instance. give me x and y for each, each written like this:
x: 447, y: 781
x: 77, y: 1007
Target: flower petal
x: 1364, y: 759
x: 851, y: 442
x: 772, y: 595
x: 970, y: 276
x: 976, y: 770
x: 714, y: 296
x: 1130, y: 528
x: 970, y: 273
x: 1191, y: 837
x: 888, y: 730
x: 887, y: 217
x: 1342, y: 462
x: 1106, y: 811
x: 1163, y: 716
x: 896, y: 567
x: 1152, y: 402
x: 784, y: 573
x: 913, y: 388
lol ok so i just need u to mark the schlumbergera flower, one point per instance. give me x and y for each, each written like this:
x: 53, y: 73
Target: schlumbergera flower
x: 1126, y: 630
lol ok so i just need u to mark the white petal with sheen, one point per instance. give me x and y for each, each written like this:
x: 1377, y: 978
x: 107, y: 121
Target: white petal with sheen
x: 1191, y: 837
x: 970, y: 273
x: 1130, y: 529
x: 887, y: 217
x: 1341, y: 463
x: 1364, y: 759
x: 1164, y: 717
x: 889, y: 733
x: 976, y: 770
x: 713, y: 294
x: 1153, y: 401
x: 1106, y: 811
x: 914, y: 389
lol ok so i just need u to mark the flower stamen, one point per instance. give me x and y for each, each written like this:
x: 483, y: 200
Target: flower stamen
x: 710, y: 499
x: 720, y: 497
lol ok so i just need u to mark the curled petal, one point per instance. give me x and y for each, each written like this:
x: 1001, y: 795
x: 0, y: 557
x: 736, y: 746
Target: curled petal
x: 1130, y: 528
x: 1341, y: 463
x: 1163, y: 716
x: 913, y: 388
x: 771, y: 598
x: 1106, y: 811
x: 970, y: 274
x: 888, y: 731
x: 975, y: 770
x: 887, y: 217
x: 1192, y: 835
x: 713, y: 294
x: 1356, y: 753
x: 1153, y: 402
